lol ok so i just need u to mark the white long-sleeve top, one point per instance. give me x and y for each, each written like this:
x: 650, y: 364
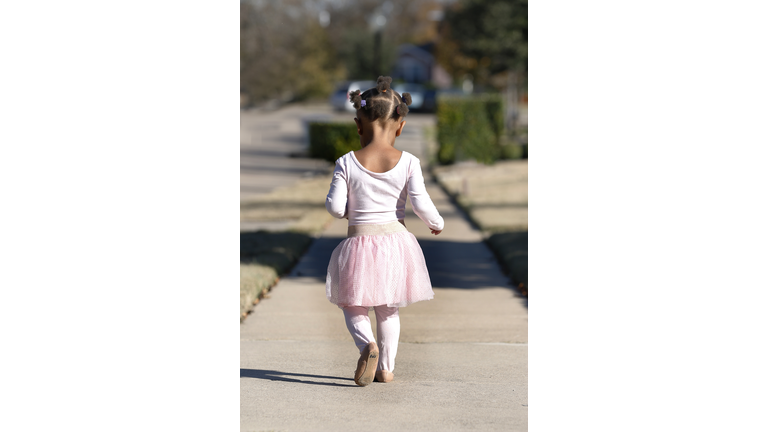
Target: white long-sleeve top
x: 367, y: 197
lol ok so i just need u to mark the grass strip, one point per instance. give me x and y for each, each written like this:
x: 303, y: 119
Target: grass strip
x: 499, y: 212
x: 302, y: 204
x: 511, y: 250
x: 264, y: 258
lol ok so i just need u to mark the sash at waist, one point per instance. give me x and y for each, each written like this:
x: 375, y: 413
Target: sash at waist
x: 377, y: 229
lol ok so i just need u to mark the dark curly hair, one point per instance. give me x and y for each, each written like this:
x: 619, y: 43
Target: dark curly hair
x: 381, y: 102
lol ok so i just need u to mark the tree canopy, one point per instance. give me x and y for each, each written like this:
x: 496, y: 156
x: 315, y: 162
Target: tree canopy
x: 288, y: 53
x: 485, y: 37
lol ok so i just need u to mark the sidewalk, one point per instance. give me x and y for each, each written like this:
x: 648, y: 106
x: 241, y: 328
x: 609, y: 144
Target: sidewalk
x: 462, y: 359
x: 461, y: 364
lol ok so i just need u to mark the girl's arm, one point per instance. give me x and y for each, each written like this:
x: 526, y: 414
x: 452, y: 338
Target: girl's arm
x: 336, y: 201
x: 420, y: 200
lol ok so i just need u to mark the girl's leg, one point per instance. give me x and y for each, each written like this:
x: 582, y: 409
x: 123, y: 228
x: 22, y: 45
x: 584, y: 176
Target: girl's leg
x: 388, y: 329
x: 359, y: 325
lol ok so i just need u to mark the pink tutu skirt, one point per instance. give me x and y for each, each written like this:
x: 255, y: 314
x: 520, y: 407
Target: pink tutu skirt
x: 378, y: 265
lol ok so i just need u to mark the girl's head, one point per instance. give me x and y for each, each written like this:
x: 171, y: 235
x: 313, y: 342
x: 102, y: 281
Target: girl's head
x: 381, y: 103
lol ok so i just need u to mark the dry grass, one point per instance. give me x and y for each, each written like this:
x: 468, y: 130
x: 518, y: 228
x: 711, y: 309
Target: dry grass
x: 495, y: 196
x: 264, y: 257
x: 302, y: 204
x: 496, y: 199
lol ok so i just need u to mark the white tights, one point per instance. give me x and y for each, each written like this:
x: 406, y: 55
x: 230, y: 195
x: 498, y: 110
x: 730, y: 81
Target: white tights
x: 387, y: 327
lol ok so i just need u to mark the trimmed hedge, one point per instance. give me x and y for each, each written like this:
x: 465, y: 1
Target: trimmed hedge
x: 331, y: 141
x: 470, y: 128
x: 514, y: 151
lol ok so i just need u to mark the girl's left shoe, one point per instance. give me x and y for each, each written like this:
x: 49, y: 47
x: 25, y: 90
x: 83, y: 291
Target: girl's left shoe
x: 366, y: 365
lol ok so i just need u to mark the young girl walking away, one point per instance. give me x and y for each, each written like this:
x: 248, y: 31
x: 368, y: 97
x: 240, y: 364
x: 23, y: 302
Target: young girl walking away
x: 380, y: 264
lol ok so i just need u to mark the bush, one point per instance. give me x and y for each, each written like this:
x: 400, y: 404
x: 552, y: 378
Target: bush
x: 331, y: 141
x: 511, y: 149
x: 470, y: 128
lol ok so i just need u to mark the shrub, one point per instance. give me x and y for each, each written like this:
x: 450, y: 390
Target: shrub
x: 513, y: 149
x: 470, y: 128
x: 331, y: 141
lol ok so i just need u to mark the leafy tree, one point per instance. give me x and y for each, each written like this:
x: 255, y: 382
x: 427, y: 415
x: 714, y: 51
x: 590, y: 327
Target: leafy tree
x: 285, y: 53
x: 485, y: 38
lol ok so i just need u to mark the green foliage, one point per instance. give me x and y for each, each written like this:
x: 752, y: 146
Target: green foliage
x: 512, y: 151
x: 331, y: 141
x: 318, y: 68
x: 512, y: 148
x: 470, y: 128
x: 494, y: 109
x: 496, y: 30
x: 356, y: 53
x: 285, y: 57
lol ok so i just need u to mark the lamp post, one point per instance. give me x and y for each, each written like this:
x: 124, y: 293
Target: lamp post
x: 377, y: 22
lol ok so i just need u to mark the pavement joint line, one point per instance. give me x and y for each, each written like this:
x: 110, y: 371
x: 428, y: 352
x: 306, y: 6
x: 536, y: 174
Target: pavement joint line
x: 489, y: 386
x: 499, y: 343
x: 401, y: 343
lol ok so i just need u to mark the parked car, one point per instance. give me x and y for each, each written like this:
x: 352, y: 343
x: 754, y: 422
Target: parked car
x: 430, y: 101
x: 340, y: 97
x: 417, y: 92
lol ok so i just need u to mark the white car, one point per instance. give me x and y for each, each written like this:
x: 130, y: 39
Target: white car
x: 417, y: 94
x: 340, y: 97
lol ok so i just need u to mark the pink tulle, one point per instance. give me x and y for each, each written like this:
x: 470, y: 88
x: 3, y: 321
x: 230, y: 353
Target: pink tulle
x: 373, y: 270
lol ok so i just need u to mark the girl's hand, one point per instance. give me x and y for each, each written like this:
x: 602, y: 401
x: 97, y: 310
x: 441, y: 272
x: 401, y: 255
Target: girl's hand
x: 436, y: 232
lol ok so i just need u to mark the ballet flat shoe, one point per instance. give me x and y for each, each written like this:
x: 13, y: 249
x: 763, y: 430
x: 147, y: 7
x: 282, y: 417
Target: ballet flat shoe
x: 384, y: 376
x: 366, y: 365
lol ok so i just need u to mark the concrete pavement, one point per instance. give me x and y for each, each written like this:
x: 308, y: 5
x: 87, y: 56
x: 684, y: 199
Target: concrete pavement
x: 276, y: 176
x: 267, y: 142
x: 462, y: 360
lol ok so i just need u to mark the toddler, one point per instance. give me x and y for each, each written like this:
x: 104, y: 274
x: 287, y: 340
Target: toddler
x: 380, y: 264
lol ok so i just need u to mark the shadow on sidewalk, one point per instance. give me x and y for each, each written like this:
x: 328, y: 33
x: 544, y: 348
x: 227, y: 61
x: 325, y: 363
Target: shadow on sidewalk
x: 451, y: 264
x: 281, y: 376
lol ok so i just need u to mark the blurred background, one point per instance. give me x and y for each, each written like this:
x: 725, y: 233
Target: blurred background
x: 310, y: 50
x: 465, y: 63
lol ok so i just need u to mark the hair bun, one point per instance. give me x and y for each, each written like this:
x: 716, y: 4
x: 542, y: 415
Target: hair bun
x: 407, y: 98
x: 382, y: 84
x: 402, y: 109
x: 355, y: 98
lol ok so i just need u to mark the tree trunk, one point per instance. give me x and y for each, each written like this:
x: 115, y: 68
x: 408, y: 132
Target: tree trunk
x: 512, y: 102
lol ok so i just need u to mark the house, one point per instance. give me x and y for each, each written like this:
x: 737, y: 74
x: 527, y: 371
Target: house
x: 416, y: 64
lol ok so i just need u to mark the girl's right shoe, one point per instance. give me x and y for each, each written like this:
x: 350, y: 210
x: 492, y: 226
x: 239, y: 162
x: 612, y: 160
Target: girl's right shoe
x: 366, y: 365
x: 384, y: 376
